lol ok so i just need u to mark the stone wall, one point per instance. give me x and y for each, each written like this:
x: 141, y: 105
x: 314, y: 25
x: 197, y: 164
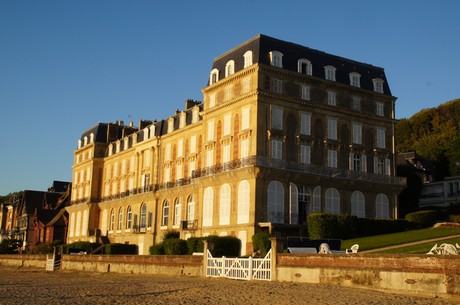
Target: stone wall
x: 17, y: 260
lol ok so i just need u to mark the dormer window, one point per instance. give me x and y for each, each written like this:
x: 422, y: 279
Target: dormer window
x: 329, y: 73
x: 247, y: 59
x: 182, y: 121
x: 304, y: 66
x: 146, y: 133
x: 85, y: 141
x: 79, y: 144
x: 91, y: 138
x: 214, y: 78
x: 229, y: 68
x: 378, y: 85
x: 170, y: 124
x: 152, y: 130
x: 195, y: 114
x: 276, y: 59
x: 355, y: 79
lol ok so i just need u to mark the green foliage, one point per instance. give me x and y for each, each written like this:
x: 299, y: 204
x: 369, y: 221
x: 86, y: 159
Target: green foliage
x: 42, y: 248
x: 175, y: 246
x: 171, y: 235
x: 454, y: 218
x: 372, y: 226
x: 409, y: 197
x: 195, y: 244
x: 119, y: 248
x: 85, y: 246
x: 424, y: 219
x: 261, y: 242
x: 228, y: 246
x: 323, y: 225
x: 10, y: 246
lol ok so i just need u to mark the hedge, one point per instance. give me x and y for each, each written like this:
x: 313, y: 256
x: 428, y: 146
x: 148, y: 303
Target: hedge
x: 454, y: 218
x: 425, y: 218
x: 228, y: 246
x: 195, y: 244
x: 118, y: 248
x: 261, y: 242
x: 175, y: 246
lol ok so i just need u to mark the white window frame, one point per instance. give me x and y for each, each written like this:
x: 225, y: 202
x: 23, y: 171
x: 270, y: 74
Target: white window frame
x: 226, y: 153
x: 301, y: 63
x: 355, y: 79
x: 332, y: 129
x: 329, y: 73
x: 247, y: 59
x: 379, y: 109
x: 177, y: 211
x: 208, y: 205
x: 243, y: 202
x: 210, y: 131
x: 277, y: 118
x: 275, y: 202
x: 380, y: 137
x: 277, y: 85
x: 245, y: 118
x: 227, y: 125
x: 244, y: 151
x: 276, y: 59
x: 225, y: 199
x: 305, y: 123
x: 331, y: 98
x: 378, y: 85
x: 276, y: 149
x: 305, y: 154
x: 305, y: 94
x: 165, y: 214
x: 214, y: 76
x: 332, y: 158
x: 230, y: 68
x: 357, y: 133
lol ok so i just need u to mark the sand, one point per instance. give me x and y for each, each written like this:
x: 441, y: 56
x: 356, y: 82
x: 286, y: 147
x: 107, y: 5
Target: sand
x: 36, y: 286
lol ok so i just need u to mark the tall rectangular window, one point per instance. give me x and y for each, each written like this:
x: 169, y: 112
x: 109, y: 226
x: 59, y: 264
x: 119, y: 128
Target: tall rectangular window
x: 277, y: 85
x: 277, y: 118
x: 357, y: 162
x: 329, y: 72
x: 305, y: 92
x: 356, y: 103
x: 226, y: 153
x: 332, y: 158
x: 357, y: 133
x: 210, y: 158
x: 168, y: 152
x: 245, y: 118
x: 192, y: 147
x: 276, y: 149
x: 304, y: 154
x: 227, y: 124
x: 211, y: 130
x: 305, y: 123
x: 244, y: 153
x: 180, y: 148
x: 379, y: 109
x: 246, y: 85
x: 331, y: 98
x: 332, y: 129
x: 380, y: 137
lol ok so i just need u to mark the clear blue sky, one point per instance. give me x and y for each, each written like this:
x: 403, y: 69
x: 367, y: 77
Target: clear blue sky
x: 67, y: 65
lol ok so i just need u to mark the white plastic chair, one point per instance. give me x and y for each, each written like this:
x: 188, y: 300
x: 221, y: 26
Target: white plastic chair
x: 353, y: 249
x: 324, y: 249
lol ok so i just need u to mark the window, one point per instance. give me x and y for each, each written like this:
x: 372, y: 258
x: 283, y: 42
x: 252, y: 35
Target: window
x: 192, y: 144
x: 355, y: 79
x: 143, y: 221
x: 210, y: 130
x: 120, y: 219
x: 209, y: 158
x: 379, y: 109
x: 227, y: 124
x: 304, y: 202
x: 380, y: 137
x: 214, y: 77
x: 304, y: 66
x: 382, y: 166
x: 230, y: 68
x: 182, y: 123
x: 276, y: 59
x: 246, y: 86
x: 358, y: 204
x: 305, y: 92
x: 129, y: 218
x: 195, y: 114
x: 329, y: 72
x: 331, y: 98
x: 378, y: 85
x: 245, y: 118
x: 190, y: 209
x: 356, y: 103
x: 382, y: 206
x: 304, y: 154
x: 226, y: 153
x: 332, y: 129
x: 212, y: 100
x: 247, y: 59
x: 305, y: 123
x: 332, y: 201
x: 224, y: 203
x: 277, y: 118
x: 293, y: 204
x: 112, y: 220
x: 275, y: 204
x: 332, y: 158
x: 228, y: 92
x: 316, y: 199
x: 243, y: 202
x: 277, y: 149
x: 277, y: 85
x: 165, y: 214
x: 208, y: 203
x: 244, y: 151
x: 357, y: 133
x: 357, y: 162
x: 168, y: 152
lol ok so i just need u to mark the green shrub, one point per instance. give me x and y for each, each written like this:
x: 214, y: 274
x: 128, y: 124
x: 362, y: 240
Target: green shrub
x: 228, y: 246
x: 324, y: 225
x: 424, y: 219
x: 85, y: 246
x: 158, y: 249
x: 175, y: 246
x: 171, y: 235
x: 454, y: 218
x: 10, y: 246
x: 42, y: 248
x: 374, y: 226
x: 195, y: 244
x: 261, y: 242
x: 120, y: 249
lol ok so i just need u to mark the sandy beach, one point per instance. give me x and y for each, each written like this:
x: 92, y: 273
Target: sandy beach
x: 36, y: 286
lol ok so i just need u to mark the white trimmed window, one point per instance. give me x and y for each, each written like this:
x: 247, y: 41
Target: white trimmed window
x: 329, y: 73
x: 230, y: 68
x: 382, y: 207
x: 247, y: 59
x: 305, y: 95
x: 120, y: 219
x: 228, y: 92
x: 378, y: 85
x: 168, y: 152
x: 304, y: 66
x: 112, y: 220
x: 332, y: 158
x: 209, y: 158
x: 305, y: 123
x: 332, y: 129
x: 305, y: 154
x: 380, y: 137
x: 244, y: 151
x: 277, y: 149
x: 129, y: 218
x: 358, y: 204
x: 276, y: 59
x: 226, y: 153
x: 246, y: 85
x: 195, y: 114
x: 243, y: 202
x: 170, y: 125
x: 379, y: 109
x: 182, y: 123
x: 277, y: 118
x: 332, y: 201
x: 355, y: 79
x: 180, y: 148
x: 227, y: 124
x: 277, y: 85
x: 210, y: 134
x: 214, y: 77
x: 357, y: 133
x: 165, y: 214
x: 382, y: 166
x: 192, y: 144
x: 275, y: 204
x: 331, y: 98
x: 356, y: 103
x: 224, y: 204
x: 212, y: 100
x: 316, y: 207
x: 177, y: 211
x: 190, y: 209
x: 208, y: 205
x: 245, y: 115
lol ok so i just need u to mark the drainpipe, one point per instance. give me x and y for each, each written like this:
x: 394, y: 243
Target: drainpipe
x: 393, y: 116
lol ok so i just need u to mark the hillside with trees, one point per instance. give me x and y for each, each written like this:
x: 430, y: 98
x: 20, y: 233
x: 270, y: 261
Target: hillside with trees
x: 434, y: 134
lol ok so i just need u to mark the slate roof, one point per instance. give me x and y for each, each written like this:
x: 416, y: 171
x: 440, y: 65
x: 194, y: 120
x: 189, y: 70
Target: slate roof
x: 261, y: 45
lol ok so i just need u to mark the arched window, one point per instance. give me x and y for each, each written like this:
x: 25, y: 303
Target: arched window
x: 304, y: 203
x: 190, y: 210
x: 382, y: 206
x: 214, y: 77
x: 332, y: 201
x: 243, y: 202
x: 293, y: 204
x: 276, y: 59
x: 230, y: 68
x: 329, y: 73
x: 247, y: 59
x: 177, y: 211
x: 358, y: 204
x: 304, y: 66
x: 208, y: 205
x: 143, y: 221
x: 378, y: 85
x: 112, y: 220
x: 165, y: 213
x: 129, y: 218
x: 355, y: 79
x: 224, y: 204
x: 120, y: 219
x: 275, y: 205
x: 316, y: 207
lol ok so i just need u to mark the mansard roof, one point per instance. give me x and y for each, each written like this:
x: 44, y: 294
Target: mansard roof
x: 262, y: 45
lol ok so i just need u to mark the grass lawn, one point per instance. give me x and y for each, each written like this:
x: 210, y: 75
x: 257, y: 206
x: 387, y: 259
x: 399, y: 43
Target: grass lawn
x: 380, y: 241
x: 421, y: 248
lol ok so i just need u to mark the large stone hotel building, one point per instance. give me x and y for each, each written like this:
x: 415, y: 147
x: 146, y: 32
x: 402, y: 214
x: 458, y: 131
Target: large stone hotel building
x: 284, y: 131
